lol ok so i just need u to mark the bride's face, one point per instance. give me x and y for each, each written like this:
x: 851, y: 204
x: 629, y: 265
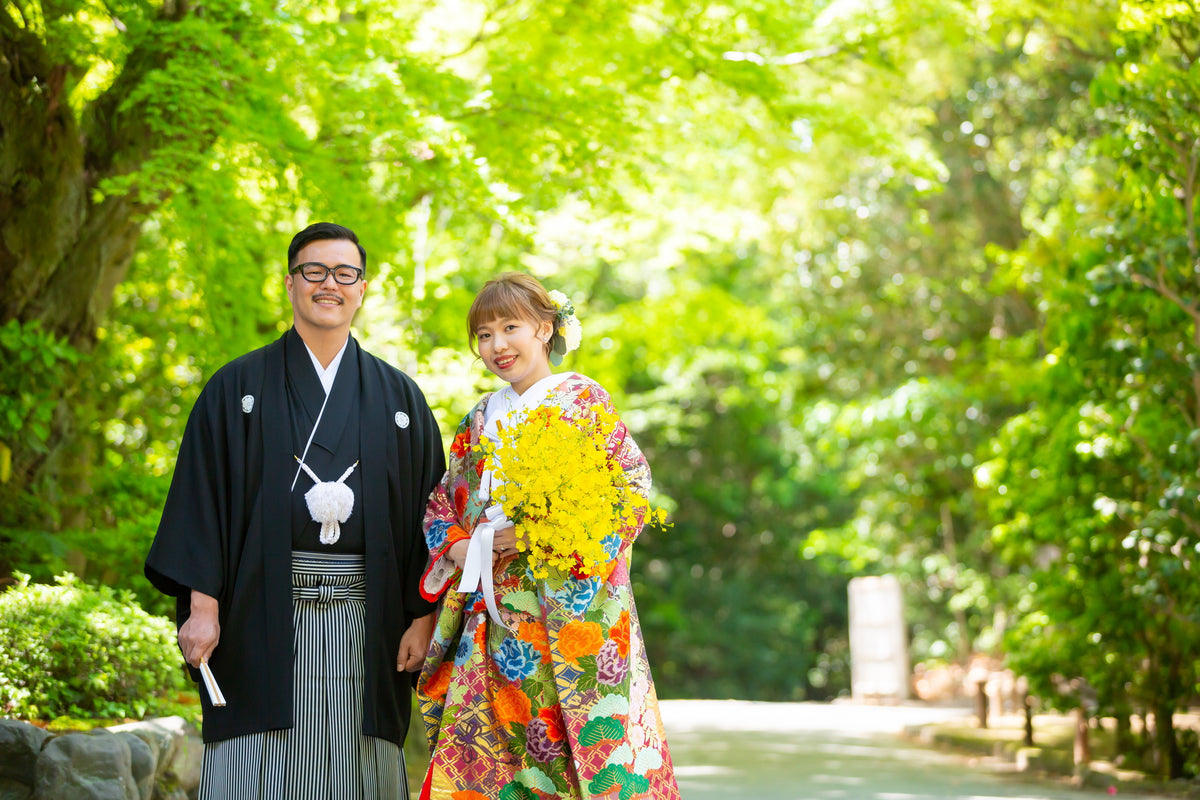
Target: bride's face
x: 515, y: 350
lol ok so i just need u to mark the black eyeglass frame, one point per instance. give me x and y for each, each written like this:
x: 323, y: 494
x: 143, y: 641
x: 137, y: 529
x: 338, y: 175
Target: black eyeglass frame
x: 328, y: 270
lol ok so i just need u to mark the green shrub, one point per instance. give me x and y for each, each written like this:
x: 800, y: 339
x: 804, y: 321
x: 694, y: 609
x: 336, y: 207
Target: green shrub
x: 112, y: 556
x: 78, y: 650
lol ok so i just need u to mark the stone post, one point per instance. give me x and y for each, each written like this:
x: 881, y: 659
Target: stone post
x: 879, y: 668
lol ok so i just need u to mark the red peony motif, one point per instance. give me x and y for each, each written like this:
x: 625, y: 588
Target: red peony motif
x: 439, y: 681
x: 577, y: 571
x: 619, y: 633
x: 480, y: 637
x: 556, y: 728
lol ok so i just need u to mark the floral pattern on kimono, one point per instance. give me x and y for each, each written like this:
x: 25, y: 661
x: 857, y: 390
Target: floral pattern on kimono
x: 560, y: 703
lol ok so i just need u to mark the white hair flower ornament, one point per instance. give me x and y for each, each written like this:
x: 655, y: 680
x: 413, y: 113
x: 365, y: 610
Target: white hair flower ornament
x: 566, y: 326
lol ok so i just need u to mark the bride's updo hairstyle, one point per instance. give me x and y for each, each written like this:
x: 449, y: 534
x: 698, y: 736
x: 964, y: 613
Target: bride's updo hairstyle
x: 513, y: 295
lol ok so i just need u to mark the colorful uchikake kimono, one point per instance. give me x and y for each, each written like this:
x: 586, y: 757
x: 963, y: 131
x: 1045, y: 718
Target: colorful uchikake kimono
x: 560, y: 703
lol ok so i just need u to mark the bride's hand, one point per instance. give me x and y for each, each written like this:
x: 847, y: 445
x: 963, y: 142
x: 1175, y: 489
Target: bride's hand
x: 458, y: 553
x: 504, y: 543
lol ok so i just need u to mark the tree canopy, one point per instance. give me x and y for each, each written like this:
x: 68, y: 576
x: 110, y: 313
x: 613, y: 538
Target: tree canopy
x: 904, y: 286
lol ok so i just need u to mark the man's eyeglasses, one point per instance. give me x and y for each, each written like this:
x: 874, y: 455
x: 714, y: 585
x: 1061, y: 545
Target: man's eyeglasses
x: 316, y: 272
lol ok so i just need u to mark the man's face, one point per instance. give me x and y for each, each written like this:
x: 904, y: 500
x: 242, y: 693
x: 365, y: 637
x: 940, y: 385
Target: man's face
x: 327, y: 305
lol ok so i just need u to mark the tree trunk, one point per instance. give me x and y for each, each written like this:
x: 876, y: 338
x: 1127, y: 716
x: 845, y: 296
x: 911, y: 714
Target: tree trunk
x: 981, y: 703
x: 1082, y: 750
x: 63, y: 251
x: 960, y: 615
x: 1123, y: 739
x: 64, y: 248
x: 63, y: 254
x: 1166, y: 749
x: 1027, y: 704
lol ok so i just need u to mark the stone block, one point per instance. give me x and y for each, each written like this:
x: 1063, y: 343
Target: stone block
x: 86, y: 766
x: 1028, y: 758
x: 184, y: 771
x: 164, y: 736
x: 178, y: 751
x: 20, y: 744
x: 143, y: 764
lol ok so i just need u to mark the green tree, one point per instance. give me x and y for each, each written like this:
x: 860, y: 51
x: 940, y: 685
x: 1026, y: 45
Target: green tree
x: 919, y: 344
x: 157, y: 154
x: 1095, y: 486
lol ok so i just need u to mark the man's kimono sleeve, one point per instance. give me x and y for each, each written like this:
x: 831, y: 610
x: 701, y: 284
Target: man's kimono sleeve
x: 190, y: 545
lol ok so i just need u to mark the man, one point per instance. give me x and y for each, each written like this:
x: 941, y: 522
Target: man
x: 302, y: 598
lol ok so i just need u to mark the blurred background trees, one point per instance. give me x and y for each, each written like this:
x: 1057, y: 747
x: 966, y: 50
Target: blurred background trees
x: 899, y: 287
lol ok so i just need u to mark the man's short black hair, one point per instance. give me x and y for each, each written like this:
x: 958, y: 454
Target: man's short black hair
x: 323, y: 230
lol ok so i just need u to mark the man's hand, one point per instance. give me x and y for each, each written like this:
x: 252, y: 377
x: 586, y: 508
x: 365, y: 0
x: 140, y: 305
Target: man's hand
x: 414, y: 644
x: 199, y: 635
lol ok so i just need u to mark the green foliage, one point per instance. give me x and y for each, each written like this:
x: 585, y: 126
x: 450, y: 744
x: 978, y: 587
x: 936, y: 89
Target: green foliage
x: 459, y: 139
x: 110, y: 552
x: 731, y: 566
x: 32, y: 362
x: 1094, y: 488
x: 75, y: 650
x: 900, y: 287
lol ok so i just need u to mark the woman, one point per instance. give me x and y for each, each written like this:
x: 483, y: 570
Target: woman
x: 547, y: 693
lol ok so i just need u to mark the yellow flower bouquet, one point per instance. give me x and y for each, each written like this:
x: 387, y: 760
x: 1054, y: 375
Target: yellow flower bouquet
x: 566, y: 495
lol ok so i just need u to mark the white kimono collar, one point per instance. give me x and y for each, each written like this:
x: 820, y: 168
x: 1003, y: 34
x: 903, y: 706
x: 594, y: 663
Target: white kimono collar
x: 327, y: 374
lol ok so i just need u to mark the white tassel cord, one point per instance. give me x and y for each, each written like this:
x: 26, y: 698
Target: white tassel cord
x: 329, y: 502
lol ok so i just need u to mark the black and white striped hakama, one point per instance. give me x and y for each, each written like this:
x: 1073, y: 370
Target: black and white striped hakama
x: 325, y: 755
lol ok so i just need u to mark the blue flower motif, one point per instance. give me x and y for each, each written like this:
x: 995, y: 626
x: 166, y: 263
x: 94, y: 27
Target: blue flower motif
x: 435, y: 537
x: 612, y: 545
x: 515, y: 659
x: 464, y: 651
x: 577, y: 595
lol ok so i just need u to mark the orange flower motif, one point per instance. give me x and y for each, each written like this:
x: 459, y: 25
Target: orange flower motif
x: 619, y: 633
x: 535, y: 634
x: 578, y: 639
x: 556, y: 728
x: 455, y: 534
x: 479, y: 636
x: 439, y: 681
x: 512, y: 705
x: 461, y: 444
x: 460, y: 500
x: 480, y: 466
